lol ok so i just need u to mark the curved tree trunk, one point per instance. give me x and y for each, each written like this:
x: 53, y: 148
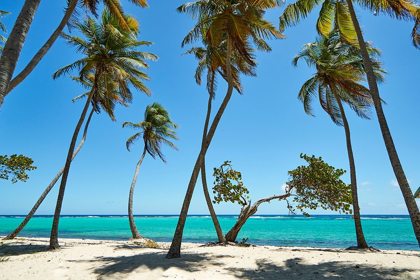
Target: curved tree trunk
x: 175, y: 249
x: 246, y: 212
x: 44, y: 49
x: 54, y: 230
x: 12, y: 48
x: 361, y: 241
x: 413, y: 210
x: 134, y: 231
x: 213, y: 215
x: 50, y: 186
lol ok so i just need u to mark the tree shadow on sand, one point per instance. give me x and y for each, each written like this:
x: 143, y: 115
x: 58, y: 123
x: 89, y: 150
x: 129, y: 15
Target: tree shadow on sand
x: 14, y: 249
x: 297, y: 269
x: 188, y: 262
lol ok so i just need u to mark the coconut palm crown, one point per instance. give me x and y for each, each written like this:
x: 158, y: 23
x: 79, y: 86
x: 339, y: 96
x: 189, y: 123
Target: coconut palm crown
x: 111, y: 50
x: 335, y: 14
x: 155, y: 129
x: 339, y: 67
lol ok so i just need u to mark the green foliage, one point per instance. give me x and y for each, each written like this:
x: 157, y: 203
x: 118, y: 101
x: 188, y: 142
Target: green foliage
x: 15, y: 166
x: 319, y: 185
x: 156, y: 128
x: 228, y: 185
x: 339, y: 76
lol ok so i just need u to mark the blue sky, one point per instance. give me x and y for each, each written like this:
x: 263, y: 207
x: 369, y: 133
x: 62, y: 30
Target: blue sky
x: 262, y: 132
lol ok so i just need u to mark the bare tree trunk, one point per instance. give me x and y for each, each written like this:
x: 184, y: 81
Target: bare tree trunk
x: 175, y: 249
x: 44, y: 49
x: 246, y: 212
x: 13, y: 47
x: 50, y: 186
x: 54, y: 231
x: 213, y: 215
x: 361, y: 241
x: 413, y: 210
x: 134, y: 231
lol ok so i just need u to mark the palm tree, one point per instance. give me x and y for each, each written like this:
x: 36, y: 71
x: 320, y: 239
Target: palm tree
x: 238, y: 22
x: 155, y: 129
x: 19, y: 32
x: 339, y: 73
x: 341, y: 14
x: 212, y: 60
x: 3, y: 29
x: 110, y: 54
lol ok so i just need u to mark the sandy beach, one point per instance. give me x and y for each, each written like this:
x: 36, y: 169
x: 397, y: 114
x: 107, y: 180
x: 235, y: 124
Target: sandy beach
x: 29, y: 258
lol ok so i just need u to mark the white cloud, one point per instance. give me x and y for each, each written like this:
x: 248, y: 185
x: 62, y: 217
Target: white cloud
x: 371, y: 203
x: 365, y: 183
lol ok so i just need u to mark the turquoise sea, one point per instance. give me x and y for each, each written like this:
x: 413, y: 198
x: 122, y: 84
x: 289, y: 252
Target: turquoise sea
x: 381, y: 231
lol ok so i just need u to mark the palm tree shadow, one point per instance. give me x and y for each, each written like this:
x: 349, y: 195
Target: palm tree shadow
x: 153, y: 260
x: 14, y: 249
x: 296, y: 269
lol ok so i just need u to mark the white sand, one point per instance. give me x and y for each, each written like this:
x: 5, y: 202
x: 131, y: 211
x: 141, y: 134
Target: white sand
x: 29, y: 258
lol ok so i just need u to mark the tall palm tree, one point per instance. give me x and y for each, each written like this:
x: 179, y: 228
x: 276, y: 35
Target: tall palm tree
x: 341, y: 14
x: 2, y: 28
x: 339, y: 72
x: 155, y: 129
x: 19, y: 32
x: 110, y: 54
x: 239, y: 23
x: 212, y: 60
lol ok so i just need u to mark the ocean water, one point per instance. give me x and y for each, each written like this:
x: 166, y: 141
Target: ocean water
x: 336, y: 231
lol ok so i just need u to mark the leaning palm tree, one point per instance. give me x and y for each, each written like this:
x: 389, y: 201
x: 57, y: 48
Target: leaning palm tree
x: 110, y: 54
x: 212, y: 61
x: 2, y: 29
x: 19, y: 32
x: 239, y: 23
x: 341, y: 14
x: 155, y: 129
x: 338, y: 78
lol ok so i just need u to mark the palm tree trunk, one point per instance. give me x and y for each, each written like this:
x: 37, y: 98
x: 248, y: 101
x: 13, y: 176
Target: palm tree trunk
x: 213, y: 215
x: 413, y: 210
x: 54, y: 230
x: 134, y: 231
x: 50, y: 186
x: 44, y: 49
x: 12, y: 48
x: 175, y: 249
x: 361, y: 241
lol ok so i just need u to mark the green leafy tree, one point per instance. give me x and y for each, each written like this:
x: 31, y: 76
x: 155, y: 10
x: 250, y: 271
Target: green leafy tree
x: 315, y: 185
x: 155, y: 129
x: 239, y: 23
x: 110, y: 53
x: 338, y: 78
x: 15, y: 167
x: 13, y: 47
x: 340, y: 14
